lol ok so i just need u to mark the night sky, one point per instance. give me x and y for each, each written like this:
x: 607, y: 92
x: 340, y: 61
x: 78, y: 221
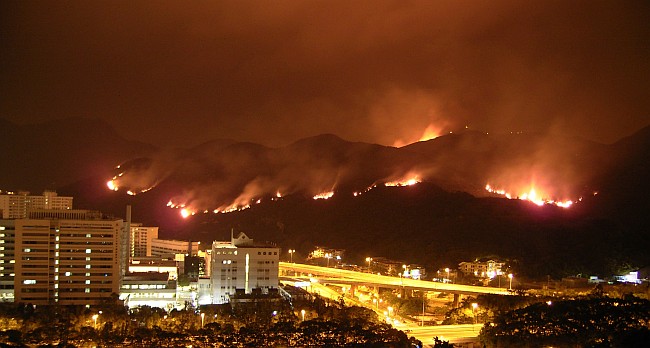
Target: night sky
x: 180, y: 73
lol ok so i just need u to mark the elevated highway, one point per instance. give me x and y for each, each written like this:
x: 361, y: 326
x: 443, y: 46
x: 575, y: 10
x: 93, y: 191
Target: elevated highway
x: 341, y: 276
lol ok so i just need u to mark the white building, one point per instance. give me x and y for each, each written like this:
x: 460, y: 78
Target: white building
x: 61, y: 256
x: 170, y: 248
x: 149, y: 289
x: 242, y: 265
x: 483, y: 269
x: 18, y: 205
x: 141, y: 240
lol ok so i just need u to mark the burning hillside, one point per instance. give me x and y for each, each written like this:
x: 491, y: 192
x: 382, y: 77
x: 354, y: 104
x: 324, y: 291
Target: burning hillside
x: 236, y: 176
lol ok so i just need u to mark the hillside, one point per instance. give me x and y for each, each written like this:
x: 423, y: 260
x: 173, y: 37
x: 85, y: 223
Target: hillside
x: 433, y: 222
x: 55, y: 154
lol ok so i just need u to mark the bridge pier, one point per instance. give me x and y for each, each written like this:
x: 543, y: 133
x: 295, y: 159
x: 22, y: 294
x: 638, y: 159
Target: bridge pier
x: 457, y: 299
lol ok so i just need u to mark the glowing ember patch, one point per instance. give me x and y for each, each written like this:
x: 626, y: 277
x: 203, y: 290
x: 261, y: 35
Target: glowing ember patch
x: 112, y: 185
x: 324, y: 195
x: 278, y: 194
x: 531, y: 196
x: 130, y: 193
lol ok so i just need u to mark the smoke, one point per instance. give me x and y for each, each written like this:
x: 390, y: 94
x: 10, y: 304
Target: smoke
x: 374, y: 71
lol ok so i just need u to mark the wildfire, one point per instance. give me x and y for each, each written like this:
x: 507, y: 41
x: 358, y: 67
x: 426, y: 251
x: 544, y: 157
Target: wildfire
x: 532, y: 196
x: 112, y: 185
x: 430, y: 132
x: 185, y: 213
x: 324, y: 195
x: 404, y: 182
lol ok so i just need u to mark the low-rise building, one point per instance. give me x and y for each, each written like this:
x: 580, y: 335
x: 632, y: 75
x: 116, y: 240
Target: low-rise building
x: 149, y: 289
x: 242, y: 265
x: 482, y: 268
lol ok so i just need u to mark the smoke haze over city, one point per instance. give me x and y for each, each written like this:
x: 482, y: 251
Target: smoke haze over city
x: 389, y: 72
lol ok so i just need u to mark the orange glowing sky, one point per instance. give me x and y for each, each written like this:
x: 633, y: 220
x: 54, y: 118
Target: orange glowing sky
x: 179, y: 74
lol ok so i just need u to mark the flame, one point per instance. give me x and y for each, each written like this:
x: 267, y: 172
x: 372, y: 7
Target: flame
x: 407, y: 181
x: 112, y: 185
x: 185, y: 213
x: 532, y: 196
x: 431, y: 132
x: 324, y: 195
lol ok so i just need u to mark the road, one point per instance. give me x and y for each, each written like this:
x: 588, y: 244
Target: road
x: 369, y: 279
x: 452, y: 333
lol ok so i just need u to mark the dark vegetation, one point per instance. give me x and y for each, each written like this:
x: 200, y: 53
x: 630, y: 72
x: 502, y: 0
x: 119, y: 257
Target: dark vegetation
x: 592, y: 321
x: 326, y: 324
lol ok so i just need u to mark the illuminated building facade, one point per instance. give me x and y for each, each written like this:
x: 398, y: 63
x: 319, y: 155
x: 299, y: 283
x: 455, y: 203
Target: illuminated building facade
x: 67, y: 257
x: 141, y: 240
x: 169, y: 247
x: 483, y: 269
x: 242, y: 265
x: 148, y: 289
x: 18, y: 205
x: 7, y: 259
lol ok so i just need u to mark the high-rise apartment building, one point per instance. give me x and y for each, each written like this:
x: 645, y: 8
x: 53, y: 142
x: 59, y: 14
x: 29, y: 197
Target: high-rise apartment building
x: 242, y: 265
x: 18, y: 205
x: 62, y: 256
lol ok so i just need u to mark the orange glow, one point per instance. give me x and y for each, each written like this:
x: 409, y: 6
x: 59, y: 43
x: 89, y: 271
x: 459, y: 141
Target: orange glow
x: 531, y: 195
x: 112, y: 185
x: 407, y: 181
x: 430, y: 133
x: 185, y: 213
x: 324, y: 195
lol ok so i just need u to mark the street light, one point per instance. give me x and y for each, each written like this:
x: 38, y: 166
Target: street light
x: 510, y: 276
x: 328, y: 256
x: 95, y: 316
x: 302, y: 312
x: 291, y: 251
x: 390, y: 310
x: 202, y: 319
x: 447, y: 270
x: 368, y: 259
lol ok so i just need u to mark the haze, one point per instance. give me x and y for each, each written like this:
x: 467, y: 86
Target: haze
x: 181, y: 73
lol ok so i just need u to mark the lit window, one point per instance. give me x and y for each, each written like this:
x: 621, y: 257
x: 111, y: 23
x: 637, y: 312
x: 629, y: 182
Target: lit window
x: 88, y: 251
x: 67, y: 274
x: 29, y: 281
x: 27, y: 250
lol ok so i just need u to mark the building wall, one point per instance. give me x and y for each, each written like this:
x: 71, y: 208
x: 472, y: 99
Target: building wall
x: 141, y: 240
x: 18, y: 206
x: 7, y: 259
x: 66, y: 261
x: 166, y: 247
x: 243, y: 268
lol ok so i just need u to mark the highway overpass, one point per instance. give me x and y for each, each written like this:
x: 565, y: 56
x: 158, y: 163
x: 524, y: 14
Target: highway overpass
x: 341, y: 276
